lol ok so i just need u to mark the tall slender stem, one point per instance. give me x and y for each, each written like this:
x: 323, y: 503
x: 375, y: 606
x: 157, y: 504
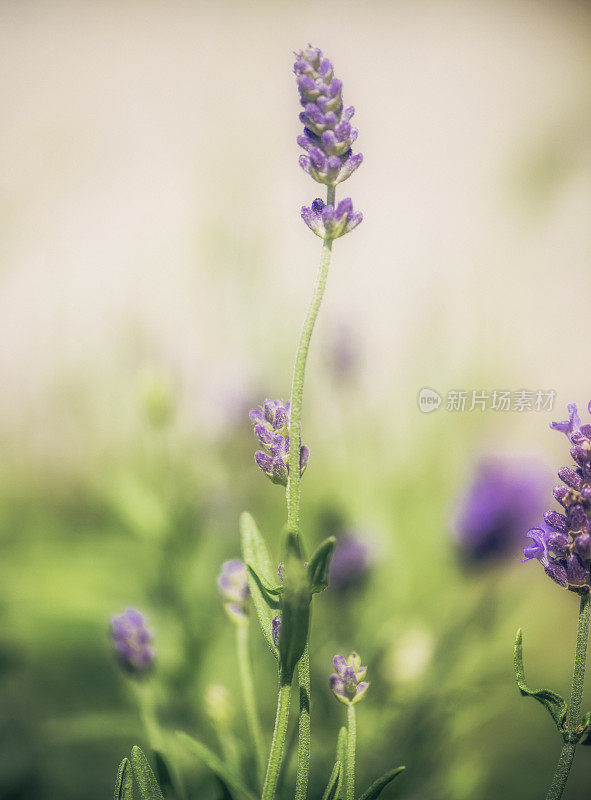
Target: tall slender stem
x: 293, y: 494
x: 297, y: 386
x: 351, y: 742
x: 573, y: 717
x: 248, y: 694
x: 278, y: 742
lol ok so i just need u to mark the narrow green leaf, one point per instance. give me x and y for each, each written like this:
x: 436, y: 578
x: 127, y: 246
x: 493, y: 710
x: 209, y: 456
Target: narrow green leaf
x: 124, y: 782
x: 270, y: 594
x: 585, y: 729
x: 342, y: 745
x: 553, y: 702
x: 227, y: 775
x: 295, y: 617
x: 378, y: 786
x: 319, y: 566
x: 149, y: 789
x: 255, y: 553
x: 333, y: 782
x: 341, y: 755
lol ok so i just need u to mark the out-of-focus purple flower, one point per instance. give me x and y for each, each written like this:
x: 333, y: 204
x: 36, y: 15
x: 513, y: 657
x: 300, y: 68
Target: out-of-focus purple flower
x: 233, y: 585
x: 343, y: 353
x: 271, y: 427
x: 131, y: 639
x: 351, y: 563
x: 504, y: 499
x: 347, y: 683
x: 562, y: 543
x: 276, y: 629
x: 329, y: 222
x: 328, y: 135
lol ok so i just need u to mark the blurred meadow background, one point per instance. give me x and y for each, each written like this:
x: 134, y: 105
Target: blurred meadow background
x: 154, y: 276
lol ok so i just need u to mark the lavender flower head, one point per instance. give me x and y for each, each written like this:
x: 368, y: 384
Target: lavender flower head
x: 327, y: 139
x: 233, y: 585
x: 350, y: 563
x: 562, y: 543
x: 347, y: 683
x: 328, y: 135
x: 271, y: 427
x: 505, y: 498
x: 131, y: 639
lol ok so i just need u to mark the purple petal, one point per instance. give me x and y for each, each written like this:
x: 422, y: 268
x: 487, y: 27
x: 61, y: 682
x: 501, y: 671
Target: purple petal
x: 264, y: 461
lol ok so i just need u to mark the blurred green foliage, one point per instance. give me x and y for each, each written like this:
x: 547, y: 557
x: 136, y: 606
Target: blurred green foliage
x: 148, y: 522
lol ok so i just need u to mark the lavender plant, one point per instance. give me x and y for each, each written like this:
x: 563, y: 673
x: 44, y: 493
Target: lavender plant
x: 562, y: 545
x: 282, y: 595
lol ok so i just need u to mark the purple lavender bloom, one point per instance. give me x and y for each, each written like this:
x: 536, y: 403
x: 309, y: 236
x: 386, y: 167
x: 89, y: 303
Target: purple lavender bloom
x: 328, y: 135
x: 131, y: 639
x: 347, y: 683
x: 276, y: 629
x: 505, y: 497
x: 233, y: 585
x: 562, y: 543
x: 328, y: 222
x: 271, y: 427
x: 351, y: 563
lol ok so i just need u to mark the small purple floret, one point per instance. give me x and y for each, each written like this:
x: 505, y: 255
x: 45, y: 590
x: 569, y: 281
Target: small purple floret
x: 276, y: 629
x: 131, y: 639
x: 347, y: 682
x: 562, y: 543
x: 328, y: 222
x: 233, y: 585
x: 271, y: 427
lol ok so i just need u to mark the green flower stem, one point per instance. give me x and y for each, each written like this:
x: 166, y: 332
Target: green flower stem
x: 145, y: 698
x: 351, y: 740
x: 297, y: 386
x: 573, y: 717
x: 303, y: 726
x: 228, y: 749
x: 252, y: 717
x: 293, y: 494
x: 278, y: 744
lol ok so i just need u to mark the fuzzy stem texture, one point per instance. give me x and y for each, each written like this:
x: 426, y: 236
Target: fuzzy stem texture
x: 252, y: 717
x: 573, y: 718
x: 297, y: 386
x: 351, y: 742
x: 278, y: 743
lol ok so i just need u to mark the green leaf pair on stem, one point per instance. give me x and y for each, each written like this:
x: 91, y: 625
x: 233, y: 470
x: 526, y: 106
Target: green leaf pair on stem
x: 136, y: 767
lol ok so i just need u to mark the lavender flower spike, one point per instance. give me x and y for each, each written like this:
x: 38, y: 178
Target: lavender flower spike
x: 271, y: 427
x: 562, y: 543
x: 131, y: 639
x: 347, y: 683
x: 328, y: 135
x: 233, y: 585
x: 328, y: 222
